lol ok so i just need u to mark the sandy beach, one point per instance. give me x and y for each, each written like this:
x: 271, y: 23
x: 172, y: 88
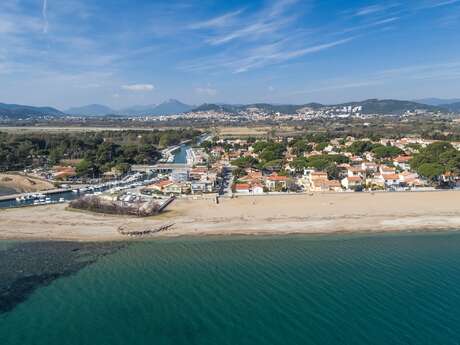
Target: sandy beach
x: 24, y: 184
x: 283, y: 214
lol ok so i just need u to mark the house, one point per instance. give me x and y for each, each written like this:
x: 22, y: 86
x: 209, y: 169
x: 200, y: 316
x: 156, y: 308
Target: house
x: 352, y: 182
x: 369, y: 167
x: 402, y: 162
x: 318, y: 175
x: 257, y: 189
x: 325, y: 185
x: 202, y: 186
x: 276, y: 182
x: 177, y: 188
x: 410, y: 179
x: 197, y: 172
x: 389, y: 180
x: 252, y: 176
x: 335, y: 185
x: 314, y: 179
x: 356, y: 171
x: 384, y: 169
x: 242, y: 188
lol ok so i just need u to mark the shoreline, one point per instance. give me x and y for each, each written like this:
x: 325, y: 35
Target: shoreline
x: 320, y: 214
x: 238, y: 236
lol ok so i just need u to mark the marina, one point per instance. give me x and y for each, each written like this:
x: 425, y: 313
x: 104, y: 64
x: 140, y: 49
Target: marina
x: 66, y: 195
x: 175, y: 156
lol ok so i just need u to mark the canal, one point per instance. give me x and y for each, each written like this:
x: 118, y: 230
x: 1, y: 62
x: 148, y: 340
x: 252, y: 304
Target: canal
x: 180, y: 156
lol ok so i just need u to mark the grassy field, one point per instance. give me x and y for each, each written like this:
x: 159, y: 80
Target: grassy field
x: 256, y: 131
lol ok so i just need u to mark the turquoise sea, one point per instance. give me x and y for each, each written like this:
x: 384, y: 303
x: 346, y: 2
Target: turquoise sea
x: 354, y: 289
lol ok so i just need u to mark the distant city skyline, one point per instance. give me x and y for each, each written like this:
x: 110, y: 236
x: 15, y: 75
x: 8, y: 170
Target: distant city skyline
x: 75, y: 52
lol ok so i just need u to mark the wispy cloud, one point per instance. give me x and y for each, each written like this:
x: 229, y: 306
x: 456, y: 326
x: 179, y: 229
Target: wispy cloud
x: 138, y: 87
x: 364, y: 11
x: 437, y: 3
x: 265, y: 37
x: 216, y: 22
x: 262, y: 56
x: 246, y: 25
x: 373, y: 24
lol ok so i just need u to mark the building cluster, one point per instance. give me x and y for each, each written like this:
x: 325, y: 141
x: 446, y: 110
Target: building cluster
x: 200, y: 175
x: 258, y: 115
x: 255, y: 114
x: 361, y: 172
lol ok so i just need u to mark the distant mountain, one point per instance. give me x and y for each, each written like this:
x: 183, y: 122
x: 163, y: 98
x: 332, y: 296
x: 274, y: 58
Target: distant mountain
x: 390, y: 106
x: 455, y: 107
x: 265, y: 107
x: 437, y: 101
x: 370, y: 106
x: 224, y: 108
x: 90, y: 110
x: 170, y: 107
x: 16, y: 111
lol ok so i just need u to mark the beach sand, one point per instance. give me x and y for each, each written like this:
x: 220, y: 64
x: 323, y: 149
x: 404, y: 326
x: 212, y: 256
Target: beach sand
x: 24, y: 184
x: 281, y: 214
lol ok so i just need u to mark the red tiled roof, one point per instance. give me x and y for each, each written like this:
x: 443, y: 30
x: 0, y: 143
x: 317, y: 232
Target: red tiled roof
x: 242, y: 186
x: 161, y: 184
x: 390, y: 176
x: 277, y: 178
x: 402, y: 159
x: 318, y: 173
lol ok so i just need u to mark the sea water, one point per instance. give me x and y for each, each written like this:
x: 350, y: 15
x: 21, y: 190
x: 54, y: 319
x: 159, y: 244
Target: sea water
x: 350, y: 289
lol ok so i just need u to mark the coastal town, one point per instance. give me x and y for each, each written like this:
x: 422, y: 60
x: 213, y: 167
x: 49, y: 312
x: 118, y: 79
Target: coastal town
x: 107, y: 184
x: 216, y: 167
x: 253, y: 113
x: 289, y: 165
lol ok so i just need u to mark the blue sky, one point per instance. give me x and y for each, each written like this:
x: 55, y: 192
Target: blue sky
x: 123, y: 52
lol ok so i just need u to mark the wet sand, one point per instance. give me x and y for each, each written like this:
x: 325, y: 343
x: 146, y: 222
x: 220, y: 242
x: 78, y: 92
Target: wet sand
x: 281, y: 214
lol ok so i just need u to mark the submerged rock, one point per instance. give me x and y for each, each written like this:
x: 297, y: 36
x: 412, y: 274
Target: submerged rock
x: 27, y: 266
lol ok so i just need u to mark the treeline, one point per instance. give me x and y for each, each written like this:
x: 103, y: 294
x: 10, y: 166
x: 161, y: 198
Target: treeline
x: 97, y: 152
x: 437, y: 159
x: 272, y: 154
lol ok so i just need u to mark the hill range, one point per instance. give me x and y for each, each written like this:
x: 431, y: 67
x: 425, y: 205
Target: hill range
x: 370, y: 106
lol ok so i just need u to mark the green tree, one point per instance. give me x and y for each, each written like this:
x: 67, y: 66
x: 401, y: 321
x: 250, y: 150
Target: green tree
x: 245, y: 162
x: 83, y: 168
x: 431, y: 171
x: 381, y: 151
x: 360, y: 147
